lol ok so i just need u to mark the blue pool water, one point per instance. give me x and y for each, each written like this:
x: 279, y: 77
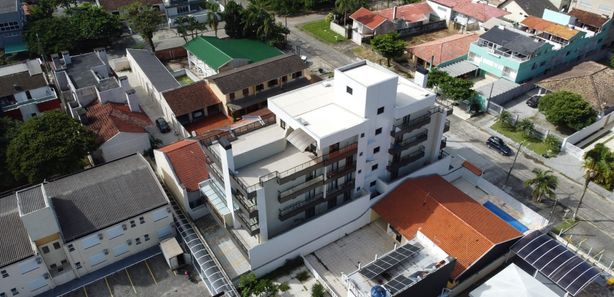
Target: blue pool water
x: 506, y: 217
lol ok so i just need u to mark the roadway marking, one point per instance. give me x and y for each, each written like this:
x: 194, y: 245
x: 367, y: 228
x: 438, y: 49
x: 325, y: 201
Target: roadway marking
x: 85, y: 291
x: 151, y: 273
x: 130, y: 279
x: 108, y: 287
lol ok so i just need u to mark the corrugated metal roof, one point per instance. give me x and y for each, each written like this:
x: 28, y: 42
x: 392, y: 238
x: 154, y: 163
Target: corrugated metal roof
x: 31, y: 199
x: 15, y: 243
x: 216, y: 52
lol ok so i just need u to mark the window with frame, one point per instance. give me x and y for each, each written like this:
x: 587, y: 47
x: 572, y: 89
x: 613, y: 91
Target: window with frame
x: 284, y: 78
x: 14, y: 291
x: 231, y: 96
x: 137, y: 240
x: 71, y: 247
x: 146, y: 237
x: 141, y: 220
x: 380, y: 110
x: 78, y: 265
x: 282, y: 124
x: 245, y: 92
x: 378, y: 131
x: 183, y: 9
x: 372, y: 184
x: 45, y: 249
x: 297, y: 74
x: 56, y: 245
x: 259, y: 87
x: 53, y: 266
x: 376, y: 150
x: 132, y: 224
x: 272, y: 83
x: 374, y: 167
x: 10, y: 26
x: 4, y: 274
x: 349, y: 90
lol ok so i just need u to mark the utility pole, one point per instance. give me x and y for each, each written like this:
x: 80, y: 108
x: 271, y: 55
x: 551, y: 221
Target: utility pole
x: 590, y: 174
x: 514, y: 163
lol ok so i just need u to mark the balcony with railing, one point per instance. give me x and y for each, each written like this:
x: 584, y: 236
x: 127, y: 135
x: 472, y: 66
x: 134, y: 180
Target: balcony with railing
x: 411, y: 125
x: 413, y: 141
x: 341, y: 171
x: 394, y: 165
x: 301, y: 188
x: 444, y: 143
x: 300, y: 206
x: 446, y: 126
x: 250, y: 224
x: 248, y: 206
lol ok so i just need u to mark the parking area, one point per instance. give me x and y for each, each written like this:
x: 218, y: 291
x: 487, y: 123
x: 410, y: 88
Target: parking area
x: 519, y: 107
x: 151, y: 277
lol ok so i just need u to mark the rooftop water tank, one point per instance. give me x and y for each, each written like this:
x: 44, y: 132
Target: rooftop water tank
x: 379, y: 291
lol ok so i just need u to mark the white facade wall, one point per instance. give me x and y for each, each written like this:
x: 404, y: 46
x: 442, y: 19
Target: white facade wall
x: 124, y: 144
x: 92, y: 253
x: 443, y: 12
x: 28, y: 276
x: 517, y: 14
x: 203, y: 68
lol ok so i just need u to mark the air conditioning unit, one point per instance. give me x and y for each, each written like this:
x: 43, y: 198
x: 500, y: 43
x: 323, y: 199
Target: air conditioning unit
x: 105, y: 251
x: 100, y: 236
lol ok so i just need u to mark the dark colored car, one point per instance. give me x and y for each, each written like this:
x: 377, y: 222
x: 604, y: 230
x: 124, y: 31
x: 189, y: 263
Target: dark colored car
x: 163, y: 125
x: 533, y: 101
x: 497, y: 144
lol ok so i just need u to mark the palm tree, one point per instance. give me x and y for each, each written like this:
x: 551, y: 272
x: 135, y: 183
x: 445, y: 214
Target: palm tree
x: 343, y: 6
x: 213, y: 16
x: 598, y: 167
x: 544, y: 184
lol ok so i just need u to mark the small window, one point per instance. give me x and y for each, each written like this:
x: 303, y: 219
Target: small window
x: 78, y: 265
x: 360, y: 154
x: 245, y: 92
x: 137, y: 240
x: 45, y: 249
x: 2, y: 294
x: 231, y: 96
x: 380, y: 110
x: 14, y: 291
x: 297, y: 74
x: 362, y: 135
x: 53, y: 266
x: 259, y: 87
x: 272, y: 83
x: 71, y: 247
x: 372, y: 184
x: 378, y: 131
x: 284, y: 78
x: 61, y: 268
x: 349, y: 90
x: 56, y: 245
x: 359, y: 171
x: 63, y: 262
x: 4, y: 273
x: 141, y: 220
x: 374, y: 167
x: 567, y: 53
x: 132, y: 224
x: 282, y: 124
x: 376, y: 150
x: 146, y: 237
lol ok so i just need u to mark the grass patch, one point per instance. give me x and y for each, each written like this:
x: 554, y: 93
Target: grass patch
x: 321, y: 30
x: 184, y: 80
x: 564, y: 225
x: 537, y: 146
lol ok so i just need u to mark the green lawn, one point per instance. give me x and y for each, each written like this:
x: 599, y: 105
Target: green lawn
x: 537, y: 146
x: 563, y: 226
x: 321, y: 30
x: 184, y: 80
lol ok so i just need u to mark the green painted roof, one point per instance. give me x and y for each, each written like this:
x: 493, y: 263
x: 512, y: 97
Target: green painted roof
x: 216, y: 52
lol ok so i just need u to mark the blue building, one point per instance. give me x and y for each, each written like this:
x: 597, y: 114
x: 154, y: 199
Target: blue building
x: 12, y: 20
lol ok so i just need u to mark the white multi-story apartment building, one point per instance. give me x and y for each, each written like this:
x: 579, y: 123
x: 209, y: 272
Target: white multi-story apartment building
x: 66, y: 228
x: 322, y: 154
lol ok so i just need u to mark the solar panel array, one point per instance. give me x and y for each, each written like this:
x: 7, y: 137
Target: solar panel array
x: 552, y: 259
x: 388, y: 261
x: 398, y: 284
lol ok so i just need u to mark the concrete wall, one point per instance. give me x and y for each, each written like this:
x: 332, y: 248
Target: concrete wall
x: 110, y: 247
x: 124, y: 144
x: 310, y: 236
x: 443, y: 12
x: 27, y: 277
x: 589, y: 130
x: 595, y: 6
x: 517, y: 14
x: 338, y: 29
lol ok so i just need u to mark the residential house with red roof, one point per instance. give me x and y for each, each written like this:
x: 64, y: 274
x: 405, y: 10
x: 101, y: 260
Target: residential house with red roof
x: 182, y: 167
x: 458, y: 224
x: 465, y: 15
x: 443, y: 51
x: 120, y: 129
x: 406, y: 19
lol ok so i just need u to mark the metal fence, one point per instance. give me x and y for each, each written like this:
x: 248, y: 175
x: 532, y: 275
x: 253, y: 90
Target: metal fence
x: 510, y: 95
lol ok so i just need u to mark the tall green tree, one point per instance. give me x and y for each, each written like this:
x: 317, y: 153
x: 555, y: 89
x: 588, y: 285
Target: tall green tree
x: 567, y: 110
x: 42, y: 9
x: 213, y: 16
x: 8, y: 130
x: 94, y: 26
x: 188, y: 27
x: 233, y: 16
x: 389, y: 46
x: 286, y: 7
x: 436, y: 77
x: 47, y: 145
x: 144, y: 20
x: 599, y: 162
x: 51, y: 35
x: 345, y: 7
x: 543, y: 184
x: 457, y: 89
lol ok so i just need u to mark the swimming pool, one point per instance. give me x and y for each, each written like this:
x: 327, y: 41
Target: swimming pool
x: 506, y: 217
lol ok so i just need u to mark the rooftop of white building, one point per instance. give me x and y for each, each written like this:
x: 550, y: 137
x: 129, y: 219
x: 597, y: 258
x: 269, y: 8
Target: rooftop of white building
x: 368, y: 74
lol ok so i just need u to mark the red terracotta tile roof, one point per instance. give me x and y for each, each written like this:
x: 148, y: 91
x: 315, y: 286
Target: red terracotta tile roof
x: 368, y: 18
x: 108, y: 119
x: 479, y: 11
x: 114, y: 5
x: 459, y: 225
x: 589, y: 18
x: 450, y: 3
x: 193, y: 97
x: 552, y: 28
x: 410, y: 13
x: 188, y: 161
x: 444, y: 49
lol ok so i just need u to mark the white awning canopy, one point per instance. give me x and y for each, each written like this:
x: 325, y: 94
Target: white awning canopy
x: 512, y: 282
x: 300, y: 139
x: 459, y: 68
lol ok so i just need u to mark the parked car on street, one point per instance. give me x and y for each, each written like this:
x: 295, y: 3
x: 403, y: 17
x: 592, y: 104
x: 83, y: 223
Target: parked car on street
x: 163, y: 125
x: 533, y: 101
x: 497, y: 144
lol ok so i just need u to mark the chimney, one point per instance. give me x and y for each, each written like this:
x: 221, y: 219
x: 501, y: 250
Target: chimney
x: 102, y: 54
x: 66, y: 57
x: 133, y: 102
x: 394, y: 12
x: 421, y: 77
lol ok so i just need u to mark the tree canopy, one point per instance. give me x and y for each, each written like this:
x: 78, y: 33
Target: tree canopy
x: 144, y: 20
x: 544, y: 184
x: 600, y: 161
x: 389, y: 46
x: 48, y: 145
x: 254, y: 22
x: 567, y: 110
x: 81, y: 28
x: 8, y: 129
x: 188, y: 27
